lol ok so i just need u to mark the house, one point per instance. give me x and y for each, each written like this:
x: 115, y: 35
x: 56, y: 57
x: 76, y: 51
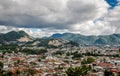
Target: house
x: 117, y: 62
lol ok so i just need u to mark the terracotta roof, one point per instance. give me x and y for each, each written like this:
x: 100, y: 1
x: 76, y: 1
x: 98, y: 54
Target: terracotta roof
x: 14, y: 70
x: 63, y: 64
x: 106, y: 64
x: 15, y: 59
x: 50, y: 70
x: 93, y: 74
x: 94, y: 62
x: 115, y: 70
x: 40, y: 71
x: 1, y: 59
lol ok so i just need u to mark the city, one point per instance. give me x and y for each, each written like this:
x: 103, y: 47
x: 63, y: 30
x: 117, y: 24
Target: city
x: 59, y: 60
x: 59, y: 37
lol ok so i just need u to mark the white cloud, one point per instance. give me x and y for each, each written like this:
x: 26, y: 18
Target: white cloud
x: 59, y: 16
x: 5, y: 29
x: 91, y: 28
x: 113, y: 18
x: 49, y: 13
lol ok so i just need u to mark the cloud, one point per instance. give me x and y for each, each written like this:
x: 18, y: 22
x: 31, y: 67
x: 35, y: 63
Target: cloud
x: 5, y: 29
x: 59, y: 16
x: 114, y: 18
x: 47, y: 32
x: 93, y: 28
x: 49, y: 13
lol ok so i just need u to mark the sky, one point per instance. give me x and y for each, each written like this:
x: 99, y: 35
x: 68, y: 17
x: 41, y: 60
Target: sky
x: 41, y: 18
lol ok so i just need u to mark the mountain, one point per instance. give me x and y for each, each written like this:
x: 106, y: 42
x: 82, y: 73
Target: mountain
x: 57, y: 35
x: 89, y: 40
x: 60, y: 39
x: 20, y: 36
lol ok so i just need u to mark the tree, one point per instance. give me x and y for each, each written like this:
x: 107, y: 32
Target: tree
x: 18, y: 72
x: 31, y: 72
x: 118, y: 73
x: 39, y: 60
x: 34, y: 51
x: 77, y: 71
x: 8, y: 73
x: 108, y: 73
x: 1, y: 65
x: 60, y: 67
x: 73, y: 71
x: 1, y: 68
x: 76, y: 56
x: 58, y: 53
x: 88, y: 61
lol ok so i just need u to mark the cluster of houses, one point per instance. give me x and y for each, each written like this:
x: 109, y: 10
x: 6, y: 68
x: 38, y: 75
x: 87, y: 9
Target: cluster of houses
x: 50, y: 65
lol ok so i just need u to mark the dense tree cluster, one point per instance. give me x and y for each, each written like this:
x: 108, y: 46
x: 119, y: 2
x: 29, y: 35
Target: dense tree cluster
x: 34, y: 51
x: 58, y: 53
x: 88, y: 60
x: 78, y: 71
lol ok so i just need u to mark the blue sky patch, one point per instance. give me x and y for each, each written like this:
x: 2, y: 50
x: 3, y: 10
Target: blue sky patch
x: 112, y: 3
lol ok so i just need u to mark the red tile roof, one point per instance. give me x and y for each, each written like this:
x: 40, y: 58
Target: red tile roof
x: 115, y: 70
x: 94, y: 62
x: 15, y: 59
x: 106, y: 64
